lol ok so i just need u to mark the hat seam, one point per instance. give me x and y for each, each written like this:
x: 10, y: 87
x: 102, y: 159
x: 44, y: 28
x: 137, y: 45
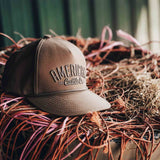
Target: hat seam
x: 36, y: 65
x: 56, y: 92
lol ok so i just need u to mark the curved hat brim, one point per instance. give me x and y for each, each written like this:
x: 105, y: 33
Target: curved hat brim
x: 70, y: 103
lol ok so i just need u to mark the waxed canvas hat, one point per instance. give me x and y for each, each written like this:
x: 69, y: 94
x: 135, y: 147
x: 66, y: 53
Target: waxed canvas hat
x: 51, y: 74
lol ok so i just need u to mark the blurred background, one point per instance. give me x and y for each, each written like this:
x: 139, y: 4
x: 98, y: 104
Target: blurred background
x: 34, y: 18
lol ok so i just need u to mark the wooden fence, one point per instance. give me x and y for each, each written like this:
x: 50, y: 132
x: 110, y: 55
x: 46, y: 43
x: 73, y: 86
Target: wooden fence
x: 34, y: 18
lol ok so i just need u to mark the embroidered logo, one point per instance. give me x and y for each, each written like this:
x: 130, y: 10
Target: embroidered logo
x: 71, y: 74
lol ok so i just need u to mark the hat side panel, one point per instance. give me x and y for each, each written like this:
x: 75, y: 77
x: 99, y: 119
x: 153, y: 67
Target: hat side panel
x: 7, y: 83
x: 19, y: 72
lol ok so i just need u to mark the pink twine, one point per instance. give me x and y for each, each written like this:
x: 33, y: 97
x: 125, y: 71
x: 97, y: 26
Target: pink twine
x: 2, y: 134
x: 35, y: 122
x: 128, y: 37
x: 2, y: 63
x: 107, y: 47
x: 34, y: 135
x: 106, y: 28
x: 14, y: 99
x: 63, y: 126
x: 60, y: 133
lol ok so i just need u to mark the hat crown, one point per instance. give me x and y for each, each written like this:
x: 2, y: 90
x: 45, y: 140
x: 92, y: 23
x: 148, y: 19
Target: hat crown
x: 45, y: 66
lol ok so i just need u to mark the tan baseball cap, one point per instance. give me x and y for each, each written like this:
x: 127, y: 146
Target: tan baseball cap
x: 51, y: 74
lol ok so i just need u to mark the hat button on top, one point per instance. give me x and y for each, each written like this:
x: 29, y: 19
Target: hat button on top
x: 47, y: 36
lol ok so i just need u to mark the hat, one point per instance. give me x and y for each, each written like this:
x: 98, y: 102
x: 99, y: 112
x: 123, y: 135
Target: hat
x: 51, y: 74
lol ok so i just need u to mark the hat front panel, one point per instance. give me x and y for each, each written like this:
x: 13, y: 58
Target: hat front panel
x: 59, y: 69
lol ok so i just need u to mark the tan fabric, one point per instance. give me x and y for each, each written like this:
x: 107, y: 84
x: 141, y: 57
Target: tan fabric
x: 51, y: 73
